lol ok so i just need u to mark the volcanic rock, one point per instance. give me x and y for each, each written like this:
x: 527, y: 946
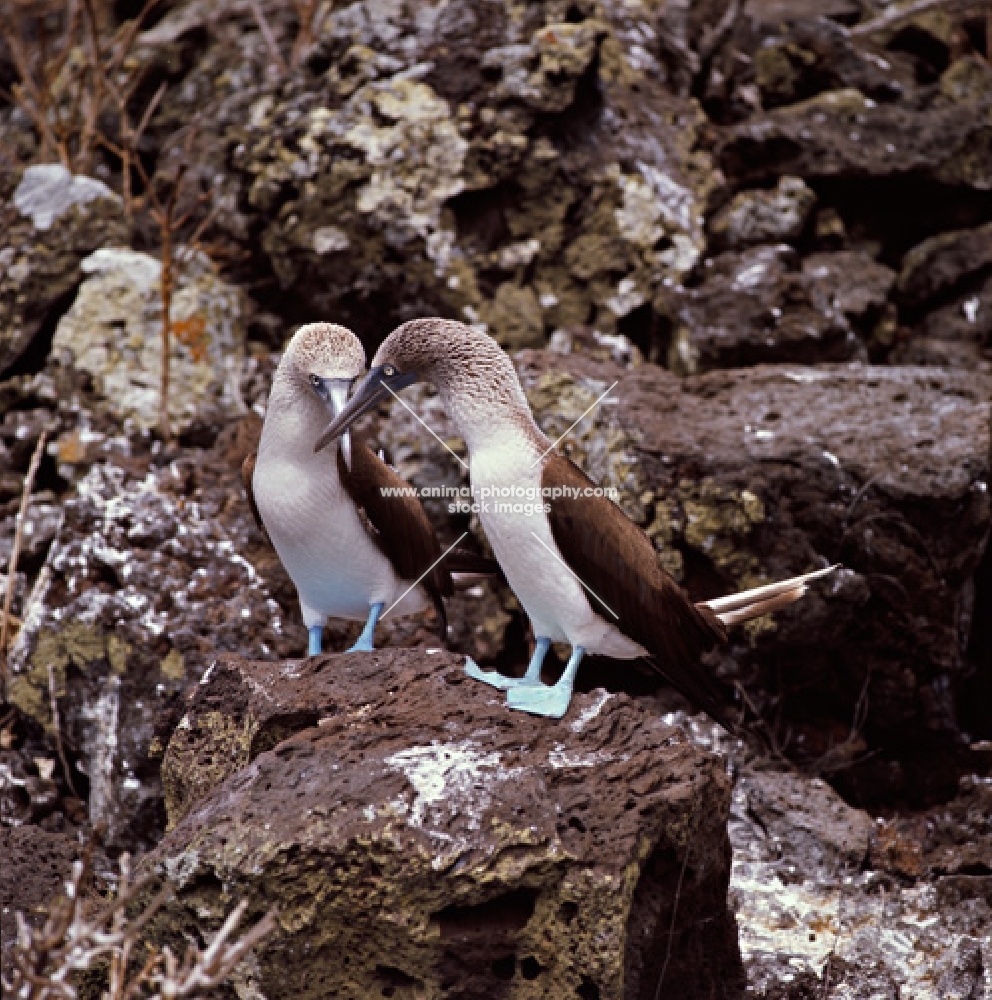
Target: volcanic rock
x: 942, y: 262
x: 814, y: 923
x: 52, y: 220
x: 776, y: 216
x: 35, y: 865
x: 417, y: 836
x: 752, y: 308
x: 142, y: 580
x: 956, y: 334
x: 740, y: 479
x: 843, y: 132
x: 113, y: 333
x: 511, y: 166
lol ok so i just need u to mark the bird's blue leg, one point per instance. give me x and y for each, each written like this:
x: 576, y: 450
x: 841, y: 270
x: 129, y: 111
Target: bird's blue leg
x: 365, y: 642
x: 549, y: 701
x: 495, y: 679
x: 316, y: 640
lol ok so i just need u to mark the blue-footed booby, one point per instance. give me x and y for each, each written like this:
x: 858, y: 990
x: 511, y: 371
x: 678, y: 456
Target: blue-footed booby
x: 351, y: 551
x: 583, y: 571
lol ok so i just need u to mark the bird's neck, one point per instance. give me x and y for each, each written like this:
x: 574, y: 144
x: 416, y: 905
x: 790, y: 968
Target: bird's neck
x: 493, y: 416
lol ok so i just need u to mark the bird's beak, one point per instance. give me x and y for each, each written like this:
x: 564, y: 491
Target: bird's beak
x: 337, y: 400
x: 375, y: 387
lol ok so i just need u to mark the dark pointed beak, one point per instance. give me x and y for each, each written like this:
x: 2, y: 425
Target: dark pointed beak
x: 373, y: 389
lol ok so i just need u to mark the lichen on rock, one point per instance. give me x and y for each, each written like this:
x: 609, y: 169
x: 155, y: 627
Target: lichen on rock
x: 113, y: 332
x: 53, y: 220
x: 414, y: 835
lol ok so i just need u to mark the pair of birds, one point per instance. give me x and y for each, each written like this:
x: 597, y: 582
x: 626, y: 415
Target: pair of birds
x: 584, y: 573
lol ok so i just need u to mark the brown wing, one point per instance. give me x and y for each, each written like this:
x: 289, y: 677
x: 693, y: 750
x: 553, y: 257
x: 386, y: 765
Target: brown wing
x: 247, y: 473
x: 616, y: 560
x: 399, y: 524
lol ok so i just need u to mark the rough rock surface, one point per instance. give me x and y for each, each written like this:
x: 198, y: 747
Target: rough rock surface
x: 547, y: 176
x: 48, y: 224
x: 419, y: 838
x: 775, y: 216
x: 35, y: 865
x: 138, y: 591
x: 943, y: 262
x: 945, y: 287
x: 740, y: 481
x: 754, y: 307
x: 113, y: 334
x: 845, y: 133
x: 822, y: 916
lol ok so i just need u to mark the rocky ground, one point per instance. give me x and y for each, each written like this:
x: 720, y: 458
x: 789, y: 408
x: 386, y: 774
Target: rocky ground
x: 770, y: 224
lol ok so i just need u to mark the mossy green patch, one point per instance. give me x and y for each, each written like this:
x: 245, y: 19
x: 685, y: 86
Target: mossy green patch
x: 76, y: 645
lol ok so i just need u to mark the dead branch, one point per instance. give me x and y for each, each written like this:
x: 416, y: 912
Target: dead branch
x: 14, y: 554
x: 305, y: 12
x: 895, y: 16
x: 81, y: 931
x: 268, y: 35
x: 57, y: 726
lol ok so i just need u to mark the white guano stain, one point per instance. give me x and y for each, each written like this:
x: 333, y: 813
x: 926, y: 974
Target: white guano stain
x: 458, y: 776
x: 588, y: 714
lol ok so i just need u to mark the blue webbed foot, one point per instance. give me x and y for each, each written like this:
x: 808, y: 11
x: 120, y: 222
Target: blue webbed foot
x: 493, y: 677
x: 502, y: 683
x: 551, y: 702
x: 365, y: 642
x: 315, y: 640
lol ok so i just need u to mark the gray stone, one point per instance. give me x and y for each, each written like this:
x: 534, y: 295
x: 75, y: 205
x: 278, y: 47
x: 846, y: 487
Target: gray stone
x: 47, y: 191
x: 113, y: 332
x: 775, y: 216
x: 52, y: 221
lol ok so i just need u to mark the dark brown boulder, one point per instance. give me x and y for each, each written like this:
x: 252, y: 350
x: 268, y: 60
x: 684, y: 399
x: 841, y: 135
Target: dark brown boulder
x: 36, y: 862
x: 844, y: 133
x: 759, y: 307
x: 417, y: 836
x: 940, y: 264
x: 747, y: 476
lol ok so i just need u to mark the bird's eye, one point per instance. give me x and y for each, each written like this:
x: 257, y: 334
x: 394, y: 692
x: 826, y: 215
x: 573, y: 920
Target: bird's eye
x: 388, y: 370
x: 315, y: 381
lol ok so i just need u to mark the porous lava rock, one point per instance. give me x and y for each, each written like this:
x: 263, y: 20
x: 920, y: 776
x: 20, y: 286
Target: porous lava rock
x: 775, y: 216
x: 831, y: 903
x: 846, y: 133
x: 144, y: 581
x: 955, y: 334
x: 752, y: 308
x: 419, y: 838
x: 49, y: 222
x: 113, y: 335
x: 743, y: 477
x: 36, y: 863
x: 523, y: 167
x: 940, y: 264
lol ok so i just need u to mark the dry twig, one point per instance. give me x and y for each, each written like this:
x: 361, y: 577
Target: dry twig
x: 81, y: 931
x: 14, y: 554
x: 268, y: 35
x: 896, y: 15
x: 57, y: 726
x: 69, y: 89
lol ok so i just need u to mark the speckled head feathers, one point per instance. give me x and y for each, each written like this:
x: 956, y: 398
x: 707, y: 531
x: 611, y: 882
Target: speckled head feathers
x: 327, y: 350
x: 446, y: 352
x: 476, y: 379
